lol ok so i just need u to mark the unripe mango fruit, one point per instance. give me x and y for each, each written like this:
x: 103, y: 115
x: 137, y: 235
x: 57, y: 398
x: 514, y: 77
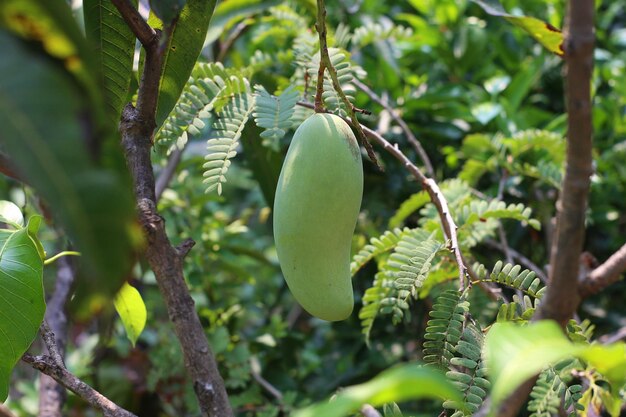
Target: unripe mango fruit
x: 317, y: 202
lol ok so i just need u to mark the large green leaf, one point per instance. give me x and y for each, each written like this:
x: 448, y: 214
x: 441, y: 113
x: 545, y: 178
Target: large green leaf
x: 22, y: 303
x: 544, y: 33
x: 48, y: 130
x: 182, y: 52
x: 407, y: 382
x: 115, y: 47
x: 513, y: 354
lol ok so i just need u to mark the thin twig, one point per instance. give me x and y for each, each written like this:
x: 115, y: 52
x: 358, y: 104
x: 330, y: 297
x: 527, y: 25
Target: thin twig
x: 135, y: 22
x: 524, y: 261
x: 167, y: 173
x: 254, y: 371
x: 431, y: 187
x: 604, y: 275
x: 405, y: 128
x: 326, y: 63
x: 49, y: 340
x: 613, y: 337
x: 46, y: 365
x: 230, y: 40
x: 51, y: 394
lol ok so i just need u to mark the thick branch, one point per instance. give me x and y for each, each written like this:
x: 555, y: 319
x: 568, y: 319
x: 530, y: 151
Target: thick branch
x: 49, y: 367
x: 135, y: 22
x: 562, y: 298
x: 137, y: 126
x: 167, y: 264
x: 604, y: 275
x: 405, y: 128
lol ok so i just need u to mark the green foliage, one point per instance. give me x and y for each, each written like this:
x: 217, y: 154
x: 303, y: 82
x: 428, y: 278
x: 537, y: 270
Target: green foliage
x: 21, y: 291
x: 209, y: 88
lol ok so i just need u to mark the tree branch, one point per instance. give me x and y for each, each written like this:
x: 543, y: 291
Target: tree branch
x: 405, y: 128
x: 369, y: 411
x: 326, y: 63
x: 137, y: 127
x: 604, y: 275
x: 135, y: 22
x: 48, y: 366
x: 562, y: 299
x: 51, y: 394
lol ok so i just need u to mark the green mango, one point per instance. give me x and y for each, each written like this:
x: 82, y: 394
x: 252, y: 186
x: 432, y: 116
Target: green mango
x: 317, y: 203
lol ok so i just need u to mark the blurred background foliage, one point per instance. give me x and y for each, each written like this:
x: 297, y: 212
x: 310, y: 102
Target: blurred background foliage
x: 469, y: 85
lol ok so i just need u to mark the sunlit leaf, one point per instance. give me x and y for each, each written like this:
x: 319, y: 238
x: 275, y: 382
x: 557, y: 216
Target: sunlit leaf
x: 544, y: 33
x: 407, y: 382
x: 132, y: 311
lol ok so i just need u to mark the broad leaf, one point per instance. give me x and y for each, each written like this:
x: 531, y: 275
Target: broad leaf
x: 544, y: 33
x: 48, y: 130
x: 513, y: 354
x: 115, y: 47
x: 132, y: 311
x: 407, y: 382
x: 22, y: 303
x: 182, y: 52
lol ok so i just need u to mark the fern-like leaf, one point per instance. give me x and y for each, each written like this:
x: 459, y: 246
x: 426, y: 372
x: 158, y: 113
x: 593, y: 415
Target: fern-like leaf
x: 381, y: 289
x: 513, y: 276
x: 209, y: 88
x: 479, y: 210
x: 377, y: 246
x: 517, y: 310
x: 444, y: 328
x: 273, y: 113
x: 374, y: 31
x: 408, y: 266
x: 551, y: 391
x: 468, y: 373
x: 222, y: 144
